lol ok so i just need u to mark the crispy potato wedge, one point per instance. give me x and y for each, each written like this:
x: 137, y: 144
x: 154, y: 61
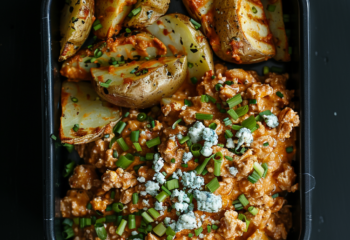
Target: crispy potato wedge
x: 82, y: 106
x: 181, y: 38
x: 127, y: 47
x: 277, y: 28
x: 148, y: 12
x: 140, y: 84
x: 111, y: 14
x: 237, y: 29
x: 75, y: 26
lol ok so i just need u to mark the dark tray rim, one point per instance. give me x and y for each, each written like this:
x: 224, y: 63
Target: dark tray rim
x: 47, y: 123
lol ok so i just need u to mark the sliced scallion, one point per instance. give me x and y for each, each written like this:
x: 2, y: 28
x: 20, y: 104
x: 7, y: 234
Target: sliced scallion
x: 161, y: 196
x: 234, y: 101
x: 153, y: 142
x: 266, y: 168
x: 253, y: 210
x: 204, y: 116
x: 121, y: 227
x: 100, y: 231
x: 289, y: 149
x: 196, y: 149
x: 233, y: 114
x: 258, y: 168
x: 213, y: 185
x: 154, y: 213
x: 147, y: 217
x: 172, y: 184
x: 242, y: 110
x: 160, y: 229
x: 243, y: 200
x: 198, y: 231
x: 176, y: 123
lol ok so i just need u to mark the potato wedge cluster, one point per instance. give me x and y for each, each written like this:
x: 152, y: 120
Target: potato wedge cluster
x: 175, y: 146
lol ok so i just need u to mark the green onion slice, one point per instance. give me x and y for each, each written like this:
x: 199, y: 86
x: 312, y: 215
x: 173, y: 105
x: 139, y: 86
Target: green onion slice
x: 213, y: 100
x: 198, y: 231
x: 265, y: 167
x: 235, y: 100
x: 249, y: 123
x: 204, y: 116
x: 119, y: 127
x: 196, y: 149
x: 213, y: 126
x: 121, y: 227
x: 233, y: 114
x: 289, y: 149
x: 160, y: 229
x: 278, y: 93
x: 243, y: 200
x: 204, y: 98
x: 253, y: 210
x: 138, y: 147
x: 170, y: 231
x: 141, y: 117
x: 131, y: 221
x: 172, y: 184
x: 162, y: 196
x: 259, y: 169
x: 100, y: 231
x: 135, y: 136
x: 275, y: 195
x: 188, y: 102
x: 135, y: 198
x: 176, y: 123
x: 242, y: 217
x: 184, y: 139
x: 201, y: 167
x: 236, y: 127
x: 213, y: 185
x: 242, y: 110
x: 121, y: 142
x: 154, y: 213
x: 147, y: 217
x: 266, y: 70
x: 153, y: 142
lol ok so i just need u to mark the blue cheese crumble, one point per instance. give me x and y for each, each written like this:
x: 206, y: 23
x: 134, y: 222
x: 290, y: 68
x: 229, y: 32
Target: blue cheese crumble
x: 244, y: 136
x: 187, y: 157
x: 186, y: 221
x: 191, y: 180
x: 206, y: 150
x: 195, y: 132
x: 233, y: 171
x: 271, y: 120
x: 158, y: 162
x: 177, y: 174
x: 151, y: 188
x: 199, y: 132
x: 159, y: 177
x: 230, y: 143
x: 207, y: 202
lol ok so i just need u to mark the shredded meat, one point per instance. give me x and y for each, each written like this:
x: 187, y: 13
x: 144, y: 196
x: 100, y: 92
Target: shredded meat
x: 231, y: 227
x: 118, y: 179
x: 84, y: 177
x: 74, y: 204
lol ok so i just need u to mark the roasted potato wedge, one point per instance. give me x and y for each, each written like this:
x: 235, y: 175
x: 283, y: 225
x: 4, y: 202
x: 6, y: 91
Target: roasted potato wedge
x: 274, y: 15
x: 127, y: 47
x: 146, y: 13
x: 237, y: 29
x: 181, y: 38
x: 140, y: 84
x: 110, y: 15
x: 82, y: 106
x: 76, y: 21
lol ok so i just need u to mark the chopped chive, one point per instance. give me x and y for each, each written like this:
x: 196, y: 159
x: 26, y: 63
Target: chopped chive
x: 236, y: 127
x: 266, y: 112
x: 136, y: 11
x: 69, y: 147
x: 252, y: 179
x: 218, y: 87
x: 176, y: 123
x: 68, y: 169
x: 243, y: 200
x: 100, y: 230
x: 266, y: 70
x: 228, y: 134
x: 172, y: 184
x: 75, y: 127
x: 289, y: 149
x: 188, y: 103
x: 252, y: 101
x: 149, y: 156
x: 153, y: 142
x: 106, y: 84
x: 159, y: 229
x: 138, y: 147
x: 141, y: 117
x: 194, y: 80
x: 196, y: 24
x: 279, y: 94
x: 243, y: 217
x: 121, y: 227
x: 204, y: 116
x: 265, y: 144
x: 53, y: 137
x: 229, y: 158
x: 173, y: 160
x: 213, y: 185
x: 214, y: 227
x: 209, y: 228
x: 235, y: 100
x: 190, y: 65
x: 213, y: 126
x: 123, y: 162
x: 184, y: 139
x: 119, y: 127
x: 121, y: 142
x: 162, y: 196
x: 217, y: 167
x: 275, y: 195
x: 204, y: 98
x: 258, y: 168
x: 154, y: 213
x: 254, y: 10
x: 266, y: 168
x: 166, y: 190
x: 97, y: 27
x: 196, y: 149
x: 134, y: 137
x: 198, y: 231
x: 127, y: 30
x: 233, y: 114
x: 205, y: 171
x: 117, y: 207
x: 201, y: 167
x: 242, y: 110
x: 170, y: 231
x: 135, y: 198
x: 253, y: 210
x: 147, y: 217
x: 184, y: 165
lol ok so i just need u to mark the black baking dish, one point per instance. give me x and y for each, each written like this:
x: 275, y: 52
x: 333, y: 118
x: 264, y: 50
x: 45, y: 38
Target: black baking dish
x: 55, y: 187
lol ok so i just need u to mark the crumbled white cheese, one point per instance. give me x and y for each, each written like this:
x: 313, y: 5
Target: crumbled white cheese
x: 207, y: 202
x: 179, y: 136
x: 141, y: 179
x: 210, y: 135
x: 271, y: 120
x: 184, y: 107
x: 233, y: 171
x: 142, y: 133
x: 181, y: 196
x: 201, y: 235
x: 166, y: 220
x: 138, y: 239
x: 177, y: 174
x: 230, y: 143
x: 187, y: 157
x: 158, y: 206
x: 145, y: 203
x: 134, y: 233
x: 191, y: 180
x: 158, y: 163
x: 186, y: 221
x: 245, y: 136
x: 181, y: 207
x: 195, y: 132
x: 215, y: 222
x: 206, y: 150
x: 151, y: 188
x: 159, y: 177
x: 203, y: 217
x: 143, y: 193
x: 172, y: 137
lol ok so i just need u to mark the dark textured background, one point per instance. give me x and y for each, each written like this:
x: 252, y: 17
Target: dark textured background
x: 21, y: 195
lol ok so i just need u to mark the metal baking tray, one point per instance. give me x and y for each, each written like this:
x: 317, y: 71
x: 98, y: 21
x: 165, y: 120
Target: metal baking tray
x: 55, y: 187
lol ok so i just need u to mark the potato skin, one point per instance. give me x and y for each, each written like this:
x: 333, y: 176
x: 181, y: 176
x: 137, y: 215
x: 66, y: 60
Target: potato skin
x: 111, y: 14
x: 147, y: 91
x: 75, y: 26
x: 151, y: 10
x: 234, y: 44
